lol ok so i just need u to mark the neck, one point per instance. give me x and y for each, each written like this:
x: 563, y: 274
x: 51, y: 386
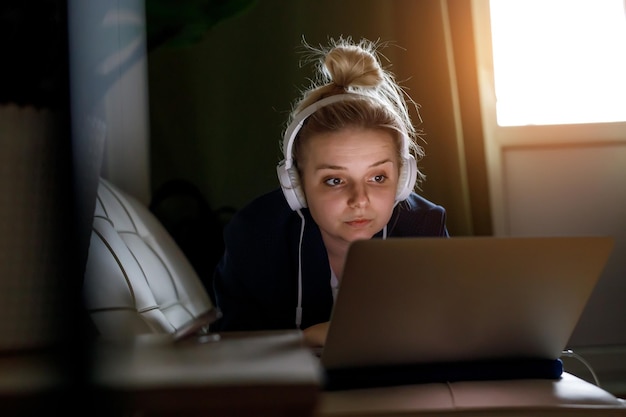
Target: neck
x: 337, y: 252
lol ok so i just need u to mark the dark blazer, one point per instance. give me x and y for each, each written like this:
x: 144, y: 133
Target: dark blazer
x: 256, y: 280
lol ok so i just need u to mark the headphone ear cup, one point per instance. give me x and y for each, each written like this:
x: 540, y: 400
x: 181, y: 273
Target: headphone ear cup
x: 290, y: 184
x: 407, y: 178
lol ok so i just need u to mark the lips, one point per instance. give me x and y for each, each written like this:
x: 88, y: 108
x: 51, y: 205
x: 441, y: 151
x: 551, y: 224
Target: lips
x: 358, y: 222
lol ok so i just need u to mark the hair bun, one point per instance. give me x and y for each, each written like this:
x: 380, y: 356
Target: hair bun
x: 349, y: 65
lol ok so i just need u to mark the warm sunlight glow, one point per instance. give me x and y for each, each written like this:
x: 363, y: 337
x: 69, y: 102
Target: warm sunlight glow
x: 559, y: 61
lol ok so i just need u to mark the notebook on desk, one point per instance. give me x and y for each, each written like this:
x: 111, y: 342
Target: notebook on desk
x: 439, y: 309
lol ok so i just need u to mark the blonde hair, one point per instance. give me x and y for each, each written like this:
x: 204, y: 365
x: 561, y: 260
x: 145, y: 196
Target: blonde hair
x: 379, y: 102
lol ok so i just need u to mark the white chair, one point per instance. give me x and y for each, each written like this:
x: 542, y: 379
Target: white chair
x: 137, y: 279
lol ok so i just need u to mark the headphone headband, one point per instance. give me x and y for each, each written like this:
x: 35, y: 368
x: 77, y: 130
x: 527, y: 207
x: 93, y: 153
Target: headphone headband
x: 295, y: 126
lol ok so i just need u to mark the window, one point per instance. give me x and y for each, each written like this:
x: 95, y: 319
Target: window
x: 558, y: 61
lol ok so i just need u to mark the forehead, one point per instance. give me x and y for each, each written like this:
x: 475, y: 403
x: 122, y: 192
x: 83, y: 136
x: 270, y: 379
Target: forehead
x: 349, y: 144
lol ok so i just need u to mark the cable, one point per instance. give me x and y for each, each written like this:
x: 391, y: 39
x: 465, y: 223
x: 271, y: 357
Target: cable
x: 299, y: 307
x: 571, y: 354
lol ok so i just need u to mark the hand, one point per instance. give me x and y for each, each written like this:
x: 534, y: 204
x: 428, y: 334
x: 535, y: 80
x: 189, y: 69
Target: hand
x: 315, y: 336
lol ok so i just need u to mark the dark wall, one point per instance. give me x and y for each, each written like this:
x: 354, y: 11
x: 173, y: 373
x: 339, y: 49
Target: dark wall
x: 217, y: 108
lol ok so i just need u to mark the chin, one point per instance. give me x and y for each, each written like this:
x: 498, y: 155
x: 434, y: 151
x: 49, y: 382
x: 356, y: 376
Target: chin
x: 360, y: 236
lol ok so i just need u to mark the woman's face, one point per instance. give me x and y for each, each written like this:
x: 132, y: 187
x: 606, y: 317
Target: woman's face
x: 349, y: 178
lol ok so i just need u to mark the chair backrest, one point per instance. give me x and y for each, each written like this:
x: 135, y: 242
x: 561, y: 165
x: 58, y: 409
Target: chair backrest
x: 137, y: 279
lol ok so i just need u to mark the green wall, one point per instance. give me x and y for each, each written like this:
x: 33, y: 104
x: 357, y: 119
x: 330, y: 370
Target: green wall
x: 217, y: 108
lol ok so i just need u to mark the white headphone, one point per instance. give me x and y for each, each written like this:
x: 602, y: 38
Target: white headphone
x: 288, y: 174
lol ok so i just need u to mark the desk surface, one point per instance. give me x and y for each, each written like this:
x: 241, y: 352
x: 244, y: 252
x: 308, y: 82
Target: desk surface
x: 268, y: 373
x: 260, y: 374
x: 274, y: 374
x: 569, y: 396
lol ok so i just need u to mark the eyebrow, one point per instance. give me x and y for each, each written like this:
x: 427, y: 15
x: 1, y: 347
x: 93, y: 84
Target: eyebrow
x: 340, y: 168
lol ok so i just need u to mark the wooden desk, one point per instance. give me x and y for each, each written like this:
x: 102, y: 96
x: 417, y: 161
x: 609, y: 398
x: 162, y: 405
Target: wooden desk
x: 260, y: 374
x: 246, y: 374
x: 269, y: 374
x: 569, y: 396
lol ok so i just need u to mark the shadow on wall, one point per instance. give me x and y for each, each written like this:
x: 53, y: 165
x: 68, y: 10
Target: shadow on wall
x: 178, y: 204
x: 195, y: 226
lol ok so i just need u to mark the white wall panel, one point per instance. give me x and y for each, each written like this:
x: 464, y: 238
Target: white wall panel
x: 574, y: 190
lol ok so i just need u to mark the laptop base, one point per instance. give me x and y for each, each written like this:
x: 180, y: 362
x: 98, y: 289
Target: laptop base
x: 497, y: 369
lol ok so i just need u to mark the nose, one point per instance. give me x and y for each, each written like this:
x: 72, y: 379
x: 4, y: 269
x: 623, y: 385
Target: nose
x: 358, y: 197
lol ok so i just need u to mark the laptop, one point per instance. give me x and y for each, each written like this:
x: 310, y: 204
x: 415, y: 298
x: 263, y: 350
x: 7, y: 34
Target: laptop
x: 412, y: 310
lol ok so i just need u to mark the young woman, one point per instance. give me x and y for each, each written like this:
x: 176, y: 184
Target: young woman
x: 348, y: 173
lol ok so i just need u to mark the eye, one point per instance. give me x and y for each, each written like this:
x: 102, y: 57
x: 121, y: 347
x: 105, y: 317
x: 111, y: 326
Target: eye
x: 333, y: 182
x: 379, y: 178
